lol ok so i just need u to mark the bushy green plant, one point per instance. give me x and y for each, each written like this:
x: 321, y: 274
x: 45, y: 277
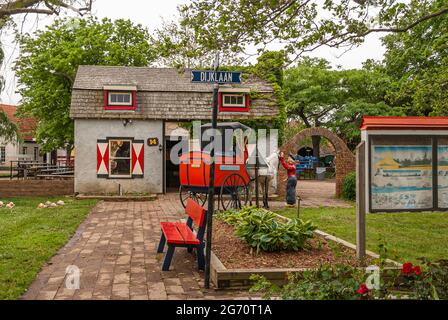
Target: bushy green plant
x: 349, y: 187
x: 425, y: 283
x: 262, y: 230
x: 329, y: 282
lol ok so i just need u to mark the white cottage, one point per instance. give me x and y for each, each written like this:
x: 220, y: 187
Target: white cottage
x: 122, y: 116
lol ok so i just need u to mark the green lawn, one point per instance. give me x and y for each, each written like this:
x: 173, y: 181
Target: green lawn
x: 408, y: 235
x: 29, y: 237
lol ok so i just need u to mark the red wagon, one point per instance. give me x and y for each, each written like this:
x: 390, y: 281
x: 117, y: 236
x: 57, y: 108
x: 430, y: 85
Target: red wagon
x: 231, y: 181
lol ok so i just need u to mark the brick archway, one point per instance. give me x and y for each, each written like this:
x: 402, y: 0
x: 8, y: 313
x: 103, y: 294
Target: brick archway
x: 345, y: 161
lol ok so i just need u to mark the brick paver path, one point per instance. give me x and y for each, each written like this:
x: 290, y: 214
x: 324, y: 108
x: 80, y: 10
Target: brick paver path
x: 315, y: 194
x: 115, y: 250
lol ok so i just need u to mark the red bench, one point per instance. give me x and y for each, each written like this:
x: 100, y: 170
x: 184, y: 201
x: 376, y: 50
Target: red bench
x: 179, y: 234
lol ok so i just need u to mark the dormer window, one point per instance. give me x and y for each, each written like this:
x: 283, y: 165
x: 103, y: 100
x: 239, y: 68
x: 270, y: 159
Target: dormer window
x: 234, y: 100
x: 120, y: 98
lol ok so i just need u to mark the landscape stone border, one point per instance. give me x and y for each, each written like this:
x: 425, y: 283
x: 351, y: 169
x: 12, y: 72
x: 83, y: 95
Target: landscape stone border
x: 224, y: 278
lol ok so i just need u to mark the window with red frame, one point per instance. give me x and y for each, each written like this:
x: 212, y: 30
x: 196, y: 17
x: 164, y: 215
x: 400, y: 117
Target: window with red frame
x: 120, y: 100
x: 234, y: 102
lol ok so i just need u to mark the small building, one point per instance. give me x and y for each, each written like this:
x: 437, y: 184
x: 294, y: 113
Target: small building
x: 126, y: 117
x: 27, y: 148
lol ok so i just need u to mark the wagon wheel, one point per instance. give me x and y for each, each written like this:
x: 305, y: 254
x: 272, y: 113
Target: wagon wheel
x: 234, y: 192
x: 185, y: 194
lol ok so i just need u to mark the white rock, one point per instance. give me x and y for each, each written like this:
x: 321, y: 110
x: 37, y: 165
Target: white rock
x: 60, y: 203
x: 1, y: 204
x: 47, y: 203
x: 41, y: 206
x: 10, y: 205
x: 53, y: 205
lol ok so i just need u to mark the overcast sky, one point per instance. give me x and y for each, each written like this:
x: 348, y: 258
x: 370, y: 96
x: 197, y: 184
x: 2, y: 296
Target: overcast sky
x: 151, y: 14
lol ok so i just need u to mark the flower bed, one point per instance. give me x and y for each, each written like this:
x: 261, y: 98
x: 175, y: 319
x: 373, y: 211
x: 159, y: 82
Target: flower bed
x: 243, y: 246
x: 235, y: 253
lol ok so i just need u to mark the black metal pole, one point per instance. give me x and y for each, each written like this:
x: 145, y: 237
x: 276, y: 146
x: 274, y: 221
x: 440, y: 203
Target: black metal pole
x: 257, y: 196
x: 211, y: 190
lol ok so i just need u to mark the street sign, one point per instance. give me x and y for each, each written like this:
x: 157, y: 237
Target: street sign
x: 221, y: 77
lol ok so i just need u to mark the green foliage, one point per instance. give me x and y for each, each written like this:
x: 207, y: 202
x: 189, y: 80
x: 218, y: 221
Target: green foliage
x: 328, y: 282
x: 342, y: 282
x: 9, y: 132
x: 262, y: 230
x: 177, y: 46
x: 318, y: 95
x: 48, y: 61
x: 417, y: 62
x: 269, y: 67
x: 349, y: 187
x: 431, y: 284
x: 300, y: 26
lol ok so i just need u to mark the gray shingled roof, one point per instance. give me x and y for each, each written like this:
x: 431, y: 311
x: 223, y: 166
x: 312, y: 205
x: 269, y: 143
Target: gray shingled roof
x: 149, y: 79
x: 162, y: 94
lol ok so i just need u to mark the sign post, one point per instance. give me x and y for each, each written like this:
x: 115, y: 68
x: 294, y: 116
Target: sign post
x: 360, y: 202
x: 216, y: 77
x: 211, y: 187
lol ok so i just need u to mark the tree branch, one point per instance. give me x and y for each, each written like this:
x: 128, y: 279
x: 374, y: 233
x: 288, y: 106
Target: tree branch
x: 33, y: 6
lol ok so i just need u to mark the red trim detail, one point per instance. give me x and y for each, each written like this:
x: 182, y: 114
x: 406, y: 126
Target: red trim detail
x: 233, y: 109
x: 106, y: 158
x: 400, y: 123
x: 140, y: 158
x: 99, y: 158
x: 134, y: 158
x: 115, y: 107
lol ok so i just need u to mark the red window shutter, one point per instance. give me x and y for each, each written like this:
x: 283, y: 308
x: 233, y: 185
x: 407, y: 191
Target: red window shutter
x: 102, y: 158
x: 247, y: 101
x: 138, y: 148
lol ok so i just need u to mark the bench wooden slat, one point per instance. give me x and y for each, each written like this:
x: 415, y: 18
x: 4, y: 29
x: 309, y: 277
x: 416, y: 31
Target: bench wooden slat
x: 195, y: 212
x: 186, y: 233
x: 171, y: 233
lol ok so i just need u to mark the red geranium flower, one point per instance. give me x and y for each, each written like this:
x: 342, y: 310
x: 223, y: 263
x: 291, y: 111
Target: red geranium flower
x: 417, y: 270
x: 407, y: 268
x: 363, y: 289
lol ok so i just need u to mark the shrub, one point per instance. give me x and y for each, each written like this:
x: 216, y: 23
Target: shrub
x: 329, y: 282
x: 349, y: 187
x: 262, y: 230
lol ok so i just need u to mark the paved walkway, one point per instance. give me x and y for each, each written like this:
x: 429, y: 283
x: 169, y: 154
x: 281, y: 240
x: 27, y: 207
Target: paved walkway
x: 315, y: 194
x: 115, y: 250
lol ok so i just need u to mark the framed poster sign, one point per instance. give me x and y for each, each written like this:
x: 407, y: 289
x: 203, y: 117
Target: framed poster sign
x: 442, y: 170
x: 401, y: 173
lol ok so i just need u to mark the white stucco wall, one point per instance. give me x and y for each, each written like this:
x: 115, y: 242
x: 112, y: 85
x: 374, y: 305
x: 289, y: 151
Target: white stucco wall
x: 87, y: 132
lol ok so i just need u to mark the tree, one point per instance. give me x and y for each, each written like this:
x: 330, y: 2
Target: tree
x: 417, y: 61
x: 8, y: 129
x: 177, y: 47
x: 366, y: 94
x: 9, y: 132
x: 301, y: 25
x: 313, y: 92
x: 9, y: 8
x: 48, y: 61
x: 318, y: 95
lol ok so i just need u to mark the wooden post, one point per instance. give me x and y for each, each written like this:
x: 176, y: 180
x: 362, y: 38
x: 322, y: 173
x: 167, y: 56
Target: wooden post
x: 361, y: 201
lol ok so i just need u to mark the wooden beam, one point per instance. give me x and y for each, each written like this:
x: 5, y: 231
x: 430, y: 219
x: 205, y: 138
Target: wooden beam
x: 361, y: 201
